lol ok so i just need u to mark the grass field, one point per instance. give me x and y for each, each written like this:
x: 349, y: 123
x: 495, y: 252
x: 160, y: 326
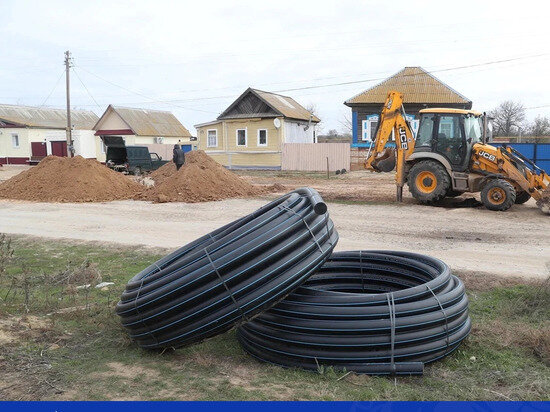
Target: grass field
x: 58, y: 341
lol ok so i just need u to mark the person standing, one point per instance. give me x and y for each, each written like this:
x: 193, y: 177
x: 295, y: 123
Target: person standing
x: 178, y: 156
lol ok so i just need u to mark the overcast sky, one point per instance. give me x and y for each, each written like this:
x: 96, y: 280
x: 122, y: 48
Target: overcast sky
x: 194, y: 58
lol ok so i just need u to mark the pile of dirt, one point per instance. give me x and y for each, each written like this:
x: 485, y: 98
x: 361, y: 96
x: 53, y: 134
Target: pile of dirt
x: 165, y: 171
x: 201, y: 179
x: 64, y: 179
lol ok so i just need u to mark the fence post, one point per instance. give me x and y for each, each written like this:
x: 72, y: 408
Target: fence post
x: 328, y: 174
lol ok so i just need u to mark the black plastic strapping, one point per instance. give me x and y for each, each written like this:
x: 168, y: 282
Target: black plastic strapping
x: 230, y: 275
x: 374, y: 312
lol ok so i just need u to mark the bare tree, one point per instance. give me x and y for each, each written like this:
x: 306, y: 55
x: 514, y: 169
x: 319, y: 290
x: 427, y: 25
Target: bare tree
x: 312, y: 108
x: 540, y: 126
x: 509, y: 118
x: 346, y: 123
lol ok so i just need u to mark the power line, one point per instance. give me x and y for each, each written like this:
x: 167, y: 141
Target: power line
x: 173, y: 101
x: 53, y: 89
x: 83, y: 85
x: 430, y: 72
x: 141, y: 94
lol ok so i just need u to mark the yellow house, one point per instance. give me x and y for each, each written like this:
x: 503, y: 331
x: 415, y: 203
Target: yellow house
x: 157, y: 129
x: 251, y: 131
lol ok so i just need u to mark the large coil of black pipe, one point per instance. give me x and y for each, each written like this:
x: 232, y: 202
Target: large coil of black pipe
x: 229, y: 275
x: 373, y: 312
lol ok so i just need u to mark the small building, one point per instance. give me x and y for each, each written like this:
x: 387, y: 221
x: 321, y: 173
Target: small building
x: 157, y: 129
x: 251, y: 131
x: 420, y: 90
x: 28, y: 134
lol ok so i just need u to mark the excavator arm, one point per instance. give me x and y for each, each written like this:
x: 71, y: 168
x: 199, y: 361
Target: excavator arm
x: 382, y: 159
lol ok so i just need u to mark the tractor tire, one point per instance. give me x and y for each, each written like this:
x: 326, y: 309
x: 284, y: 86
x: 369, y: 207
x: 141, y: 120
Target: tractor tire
x: 498, y: 194
x: 429, y: 181
x: 522, y: 197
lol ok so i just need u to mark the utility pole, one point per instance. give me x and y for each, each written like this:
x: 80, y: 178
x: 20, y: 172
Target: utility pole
x: 68, y: 61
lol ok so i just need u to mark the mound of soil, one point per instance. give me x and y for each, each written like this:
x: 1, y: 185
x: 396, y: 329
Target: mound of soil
x: 64, y: 179
x: 201, y: 179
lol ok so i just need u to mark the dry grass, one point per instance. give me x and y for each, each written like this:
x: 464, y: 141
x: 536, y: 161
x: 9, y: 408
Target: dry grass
x: 64, y: 349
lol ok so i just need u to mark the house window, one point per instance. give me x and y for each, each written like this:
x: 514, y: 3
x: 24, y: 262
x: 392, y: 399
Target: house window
x: 241, y: 137
x: 262, y: 137
x: 15, y: 140
x: 212, y: 138
x: 369, y: 127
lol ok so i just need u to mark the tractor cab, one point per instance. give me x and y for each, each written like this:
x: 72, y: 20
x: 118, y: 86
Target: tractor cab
x: 451, y: 133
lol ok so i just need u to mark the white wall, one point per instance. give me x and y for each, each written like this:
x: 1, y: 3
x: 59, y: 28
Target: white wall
x: 295, y: 133
x: 84, y: 143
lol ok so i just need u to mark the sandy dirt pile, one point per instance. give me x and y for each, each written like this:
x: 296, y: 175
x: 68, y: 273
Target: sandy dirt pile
x: 201, y: 179
x: 64, y: 179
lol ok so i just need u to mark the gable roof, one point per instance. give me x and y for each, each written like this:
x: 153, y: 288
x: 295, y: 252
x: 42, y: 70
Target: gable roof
x: 146, y: 122
x: 46, y: 118
x: 266, y: 104
x: 417, y: 86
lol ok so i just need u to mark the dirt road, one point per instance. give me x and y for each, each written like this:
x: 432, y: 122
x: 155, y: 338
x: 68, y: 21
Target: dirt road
x: 513, y: 243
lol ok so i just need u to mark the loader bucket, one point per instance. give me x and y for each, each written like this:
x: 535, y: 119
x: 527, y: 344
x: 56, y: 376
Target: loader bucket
x: 544, y: 202
x: 385, y: 162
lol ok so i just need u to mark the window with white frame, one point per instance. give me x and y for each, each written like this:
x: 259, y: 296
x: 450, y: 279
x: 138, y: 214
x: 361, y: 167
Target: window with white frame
x: 15, y: 140
x: 262, y: 137
x: 369, y: 127
x: 241, y: 137
x: 212, y: 138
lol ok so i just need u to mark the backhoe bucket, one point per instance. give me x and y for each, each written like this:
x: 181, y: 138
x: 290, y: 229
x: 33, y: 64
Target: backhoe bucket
x: 385, y: 162
x: 544, y: 202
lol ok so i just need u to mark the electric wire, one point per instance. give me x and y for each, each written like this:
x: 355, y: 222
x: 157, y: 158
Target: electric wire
x: 53, y: 89
x: 85, y: 88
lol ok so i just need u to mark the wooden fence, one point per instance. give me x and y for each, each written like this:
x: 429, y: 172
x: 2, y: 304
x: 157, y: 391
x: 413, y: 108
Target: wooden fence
x: 312, y: 157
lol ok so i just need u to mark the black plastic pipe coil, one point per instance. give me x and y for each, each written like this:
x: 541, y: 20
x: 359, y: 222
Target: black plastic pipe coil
x: 374, y: 312
x: 229, y: 275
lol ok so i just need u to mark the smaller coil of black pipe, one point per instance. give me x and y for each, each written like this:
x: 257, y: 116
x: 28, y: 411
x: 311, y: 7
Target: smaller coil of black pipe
x: 230, y: 275
x: 372, y: 312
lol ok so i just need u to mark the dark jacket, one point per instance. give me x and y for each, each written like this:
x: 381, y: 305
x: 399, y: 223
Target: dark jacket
x: 178, y: 155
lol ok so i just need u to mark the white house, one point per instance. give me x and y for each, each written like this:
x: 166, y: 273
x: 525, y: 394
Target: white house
x: 27, y: 134
x: 157, y: 129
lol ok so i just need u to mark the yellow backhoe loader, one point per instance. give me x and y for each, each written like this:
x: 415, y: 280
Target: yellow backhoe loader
x: 450, y: 156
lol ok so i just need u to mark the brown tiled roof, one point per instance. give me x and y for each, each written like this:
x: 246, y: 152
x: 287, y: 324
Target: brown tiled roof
x: 417, y: 86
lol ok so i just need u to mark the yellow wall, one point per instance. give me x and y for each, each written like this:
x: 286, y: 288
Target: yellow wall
x: 252, y: 155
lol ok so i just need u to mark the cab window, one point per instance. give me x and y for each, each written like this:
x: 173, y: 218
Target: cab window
x: 424, y: 137
x: 450, y: 139
x: 473, y: 128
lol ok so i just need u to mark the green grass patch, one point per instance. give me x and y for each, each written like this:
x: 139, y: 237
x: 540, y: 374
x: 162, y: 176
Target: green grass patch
x: 67, y: 343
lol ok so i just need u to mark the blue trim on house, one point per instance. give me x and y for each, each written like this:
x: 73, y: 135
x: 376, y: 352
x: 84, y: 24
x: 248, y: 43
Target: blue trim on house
x: 354, y: 126
x: 367, y: 145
